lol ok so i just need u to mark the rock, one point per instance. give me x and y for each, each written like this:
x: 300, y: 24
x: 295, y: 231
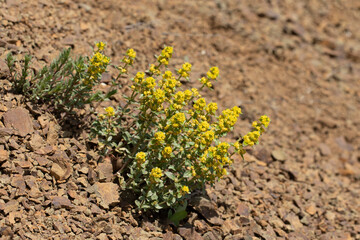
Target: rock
x: 5, y: 132
x: 4, y: 155
x: 330, y: 215
x: 57, y: 172
x: 62, y: 160
x: 62, y: 202
x: 230, y: 226
x: 294, y: 221
x: 278, y: 155
x: 324, y: 149
x: 4, y: 70
x: 242, y: 210
x: 311, y: 209
x: 108, y: 194
x: 341, y: 142
x: 36, y: 142
x: 189, y: 234
x: 18, y: 182
x: 19, y: 119
x: 207, y: 209
x: 11, y: 206
x: 105, y: 170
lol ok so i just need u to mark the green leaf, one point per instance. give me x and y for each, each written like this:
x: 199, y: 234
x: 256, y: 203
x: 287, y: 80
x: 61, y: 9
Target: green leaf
x: 170, y: 175
x: 178, y: 216
x: 187, y: 174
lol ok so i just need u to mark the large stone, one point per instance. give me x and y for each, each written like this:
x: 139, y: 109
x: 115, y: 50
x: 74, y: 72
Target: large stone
x: 108, y: 194
x: 278, y: 155
x: 4, y: 155
x: 57, y: 172
x: 189, y: 234
x: 62, y: 202
x: 207, y: 209
x: 61, y: 168
x: 19, y: 119
x: 105, y: 170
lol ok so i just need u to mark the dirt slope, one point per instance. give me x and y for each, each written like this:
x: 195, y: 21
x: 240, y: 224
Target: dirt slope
x: 296, y: 61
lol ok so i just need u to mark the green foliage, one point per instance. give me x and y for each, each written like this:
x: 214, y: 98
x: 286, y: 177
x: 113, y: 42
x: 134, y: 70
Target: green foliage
x: 66, y: 84
x: 170, y: 139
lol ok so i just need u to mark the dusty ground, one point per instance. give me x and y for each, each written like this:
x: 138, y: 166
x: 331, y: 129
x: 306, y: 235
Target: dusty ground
x: 297, y: 61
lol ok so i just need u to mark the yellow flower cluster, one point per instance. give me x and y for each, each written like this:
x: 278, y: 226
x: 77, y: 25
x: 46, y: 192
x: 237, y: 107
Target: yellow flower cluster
x: 252, y: 137
x: 211, y: 108
x: 185, y: 190
x: 165, y: 56
x: 159, y: 137
x: 97, y: 66
x: 169, y: 83
x: 200, y: 104
x: 129, y: 57
x: 154, y: 70
x: 155, y: 174
x: 166, y: 152
x: 265, y: 120
x: 140, y: 157
x: 101, y: 46
x: 110, y: 111
x: 206, y: 81
x: 203, y: 126
x: 185, y: 70
x: 178, y: 120
x: 213, y: 73
x: 228, y: 119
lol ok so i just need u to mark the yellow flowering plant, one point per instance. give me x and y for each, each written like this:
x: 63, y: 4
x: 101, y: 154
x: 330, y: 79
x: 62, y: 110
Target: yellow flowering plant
x: 67, y: 83
x: 171, y: 139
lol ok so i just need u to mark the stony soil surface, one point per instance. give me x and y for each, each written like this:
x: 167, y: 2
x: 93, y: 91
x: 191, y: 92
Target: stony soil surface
x: 297, y: 61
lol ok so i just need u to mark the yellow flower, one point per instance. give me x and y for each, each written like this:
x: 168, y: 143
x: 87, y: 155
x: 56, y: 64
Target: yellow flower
x: 160, y: 136
x: 166, y: 152
x: 185, y: 190
x: 154, y: 70
x: 179, y: 97
x: 140, y: 157
x: 195, y: 92
x: 155, y: 174
x: 149, y: 82
x: 131, y: 53
x: 200, y: 104
x: 208, y: 137
x: 203, y: 126
x: 188, y: 94
x: 178, y: 119
x: 184, y: 71
x: 211, y: 108
x: 100, y: 46
x: 165, y: 56
x: 223, y: 147
x: 110, y: 111
x: 265, y: 120
x: 159, y: 95
x: 213, y: 73
x: 205, y: 81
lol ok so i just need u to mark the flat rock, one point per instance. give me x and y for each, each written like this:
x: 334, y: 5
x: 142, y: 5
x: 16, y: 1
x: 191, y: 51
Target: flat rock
x: 57, y: 172
x: 62, y: 202
x: 189, y: 234
x: 207, y: 209
x: 324, y: 149
x: 105, y: 170
x: 278, y: 155
x: 108, y: 194
x: 19, y: 119
x: 4, y: 155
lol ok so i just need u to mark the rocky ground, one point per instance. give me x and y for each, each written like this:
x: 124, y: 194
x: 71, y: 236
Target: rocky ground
x: 296, y: 61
